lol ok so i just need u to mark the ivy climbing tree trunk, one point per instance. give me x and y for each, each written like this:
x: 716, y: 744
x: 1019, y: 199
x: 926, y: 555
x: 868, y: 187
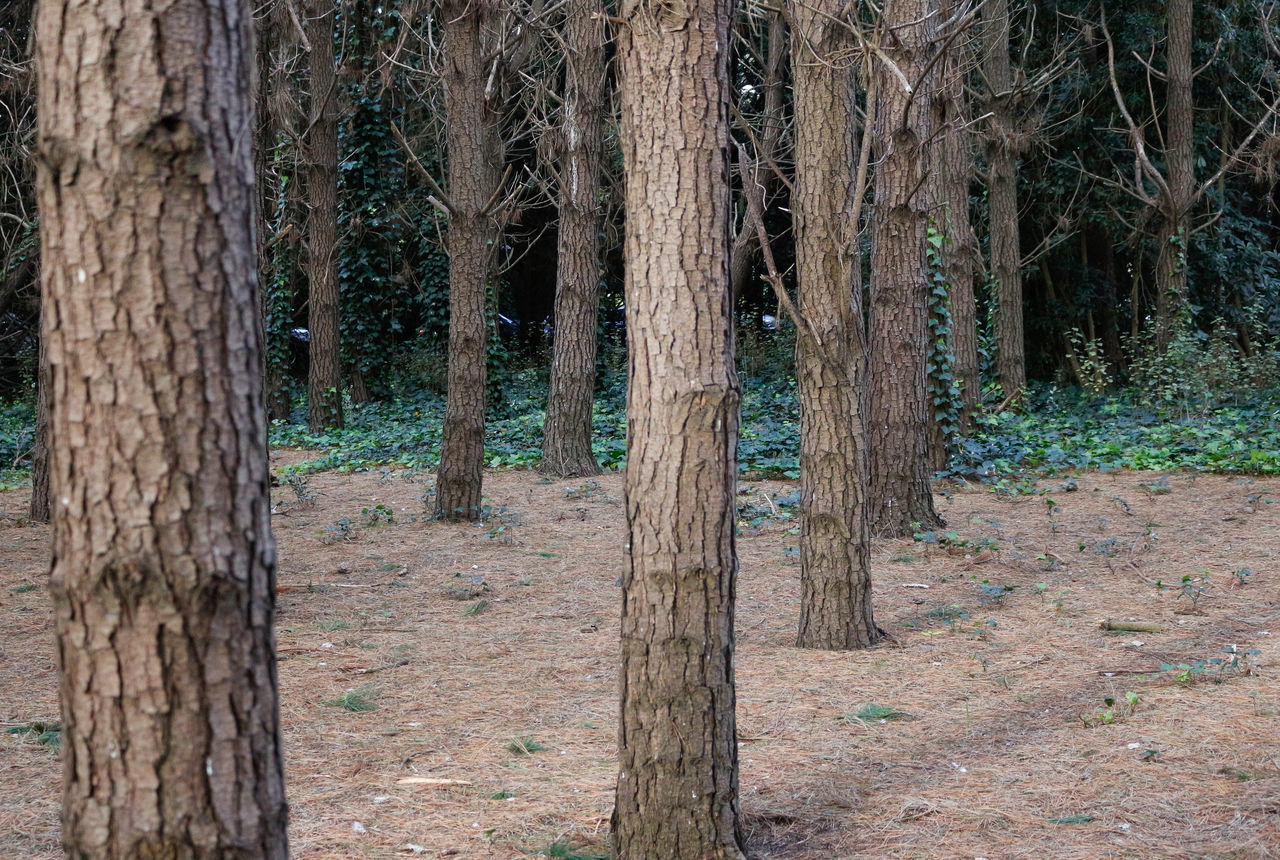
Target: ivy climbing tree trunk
x: 1003, y: 146
x: 475, y: 156
x: 1174, y: 232
x: 566, y: 432
x: 274, y: 306
x: 324, y: 378
x: 39, y: 511
x: 835, y: 575
x: 163, y: 572
x: 898, y: 323
x: 677, y: 792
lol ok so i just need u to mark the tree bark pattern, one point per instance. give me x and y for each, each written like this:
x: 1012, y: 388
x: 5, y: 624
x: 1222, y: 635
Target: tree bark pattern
x: 898, y: 322
x: 475, y: 161
x: 1002, y: 197
x: 1173, y: 236
x: 40, y: 511
x: 163, y: 561
x: 566, y: 434
x: 835, y: 575
x: 324, y: 376
x: 677, y: 785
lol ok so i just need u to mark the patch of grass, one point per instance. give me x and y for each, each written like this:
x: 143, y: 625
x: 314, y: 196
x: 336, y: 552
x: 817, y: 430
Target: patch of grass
x: 871, y: 713
x: 1081, y: 818
x: 950, y: 612
x: 501, y: 795
x: 564, y: 850
x: 24, y: 588
x: 46, y: 734
x: 524, y: 745
x: 476, y: 608
x: 332, y: 624
x: 356, y: 701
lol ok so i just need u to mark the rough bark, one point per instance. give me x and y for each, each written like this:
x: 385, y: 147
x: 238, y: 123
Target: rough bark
x: 475, y: 158
x: 835, y: 575
x: 1002, y: 194
x: 566, y: 431
x: 900, y: 498
x: 1174, y: 233
x: 277, y: 396
x: 324, y: 376
x: 163, y: 568
x: 677, y: 785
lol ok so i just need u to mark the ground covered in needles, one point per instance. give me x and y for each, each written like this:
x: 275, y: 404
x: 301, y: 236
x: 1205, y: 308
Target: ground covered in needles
x: 449, y: 690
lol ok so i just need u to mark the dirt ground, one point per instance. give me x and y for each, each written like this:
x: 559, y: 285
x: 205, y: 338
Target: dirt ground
x: 488, y: 656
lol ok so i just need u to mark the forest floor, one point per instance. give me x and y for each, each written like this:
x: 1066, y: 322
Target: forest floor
x: 486, y: 656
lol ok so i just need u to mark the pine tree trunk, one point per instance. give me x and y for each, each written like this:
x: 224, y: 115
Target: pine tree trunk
x: 1173, y: 236
x: 163, y: 569
x: 566, y: 432
x: 475, y: 159
x: 677, y: 792
x: 1002, y: 194
x: 324, y: 378
x: 268, y: 187
x: 835, y: 576
x: 901, y: 499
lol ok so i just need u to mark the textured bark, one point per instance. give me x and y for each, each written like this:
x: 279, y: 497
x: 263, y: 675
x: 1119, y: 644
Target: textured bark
x: 835, y: 576
x: 277, y: 396
x: 39, y: 511
x: 163, y: 562
x: 1174, y: 234
x: 677, y: 792
x: 899, y: 319
x: 324, y: 377
x: 566, y: 432
x: 961, y: 252
x: 475, y: 156
x: 1002, y: 195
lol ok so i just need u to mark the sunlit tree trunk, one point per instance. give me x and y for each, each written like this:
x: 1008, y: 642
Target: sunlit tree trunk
x: 677, y: 791
x: 900, y: 498
x: 566, y: 432
x: 163, y: 570
x: 835, y: 577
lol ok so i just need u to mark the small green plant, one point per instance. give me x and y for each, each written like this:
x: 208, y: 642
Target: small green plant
x: 1194, y: 588
x: 476, y: 608
x: 342, y: 531
x: 501, y: 795
x: 47, y: 734
x: 524, y: 745
x: 1112, y: 709
x: 992, y: 593
x: 24, y: 588
x: 356, y: 701
x: 298, y: 482
x: 378, y: 515
x: 587, y: 490
x: 563, y: 850
x: 1238, y: 662
x: 873, y: 713
x: 332, y: 624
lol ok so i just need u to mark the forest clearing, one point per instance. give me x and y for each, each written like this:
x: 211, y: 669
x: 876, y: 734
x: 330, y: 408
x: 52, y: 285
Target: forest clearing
x: 450, y: 689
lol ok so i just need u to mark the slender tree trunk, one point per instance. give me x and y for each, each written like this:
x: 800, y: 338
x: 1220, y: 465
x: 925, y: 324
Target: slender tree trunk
x: 268, y: 188
x: 566, y: 432
x: 677, y: 793
x: 324, y: 379
x: 1173, y: 236
x: 40, y: 511
x: 835, y: 574
x: 742, y: 250
x: 475, y: 161
x: 1002, y: 194
x: 163, y: 561
x: 901, y: 499
x: 961, y: 253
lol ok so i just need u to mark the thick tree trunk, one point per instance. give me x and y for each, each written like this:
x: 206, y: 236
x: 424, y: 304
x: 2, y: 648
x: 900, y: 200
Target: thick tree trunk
x: 163, y: 562
x: 324, y: 379
x: 900, y: 498
x: 475, y: 161
x: 1002, y: 194
x: 566, y: 432
x: 835, y: 576
x: 677, y: 793
x: 39, y: 511
x: 1174, y: 234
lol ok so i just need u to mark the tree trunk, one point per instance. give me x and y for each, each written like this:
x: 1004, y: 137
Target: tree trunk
x: 268, y: 184
x: 163, y: 562
x: 961, y: 252
x: 835, y: 574
x: 1002, y: 194
x: 475, y: 156
x: 566, y: 432
x: 324, y: 378
x: 677, y: 792
x: 39, y: 511
x: 1174, y: 234
x: 901, y: 499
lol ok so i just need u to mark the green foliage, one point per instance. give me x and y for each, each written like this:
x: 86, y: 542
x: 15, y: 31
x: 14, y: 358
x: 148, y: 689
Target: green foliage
x: 47, y: 734
x: 945, y: 398
x: 872, y: 713
x: 356, y: 701
x: 524, y: 745
x: 564, y: 850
